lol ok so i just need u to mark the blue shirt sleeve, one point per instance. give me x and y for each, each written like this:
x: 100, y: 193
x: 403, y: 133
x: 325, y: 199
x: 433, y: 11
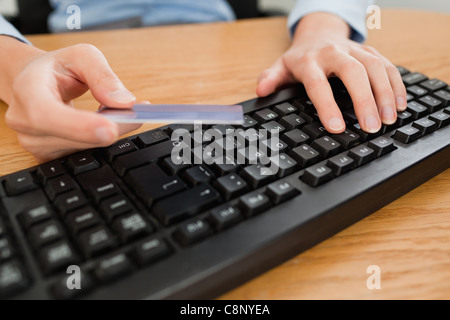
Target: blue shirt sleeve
x: 351, y: 11
x: 8, y: 29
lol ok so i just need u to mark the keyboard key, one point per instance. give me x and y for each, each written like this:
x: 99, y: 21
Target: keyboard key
x: 407, y: 134
x: 350, y: 116
x: 431, y: 103
x: 417, y: 91
x: 292, y: 121
x: 19, y: 182
x: 402, y: 70
x: 119, y: 148
x: 151, y: 250
x: 147, y: 155
x: 59, y: 290
x: 273, y: 127
x: 171, y: 168
x: 150, y: 183
x: 231, y: 185
x: 362, y: 155
x: 57, y: 256
x: 433, y: 84
x: 6, y: 249
x: 275, y: 146
x: 115, y: 206
x: 13, y: 279
x: 326, y: 146
x: 113, y: 267
x: 192, y: 231
x: 59, y: 185
x: 82, y: 219
x: 50, y: 170
x: 35, y: 214
x: 403, y: 118
x: 224, y: 216
x: 151, y: 137
x: 103, y: 190
x: 441, y: 118
x: 185, y: 204
x: 254, y: 203
x: 70, y: 201
x: 417, y: 110
x: 265, y: 115
x: 2, y: 227
x: 315, y: 130
x: 131, y: 226
x: 310, y: 115
x: 283, y: 165
x: 187, y: 127
x: 223, y: 129
x: 425, y: 126
x: 249, y: 122
x: 347, y: 139
x: 45, y: 233
x: 284, y: 108
x: 305, y: 155
x: 295, y: 138
x: 82, y: 162
x: 340, y: 164
x: 444, y: 96
x: 317, y: 175
x: 198, y: 174
x: 280, y: 191
x: 409, y: 97
x: 96, y: 240
x: 257, y: 175
x: 382, y: 146
x: 413, y: 78
x: 222, y: 169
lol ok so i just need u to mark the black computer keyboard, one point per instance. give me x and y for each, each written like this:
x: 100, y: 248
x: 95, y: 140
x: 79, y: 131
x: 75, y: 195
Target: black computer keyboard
x: 136, y: 225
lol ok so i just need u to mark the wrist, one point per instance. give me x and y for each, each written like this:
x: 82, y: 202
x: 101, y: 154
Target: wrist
x: 321, y: 25
x: 14, y: 57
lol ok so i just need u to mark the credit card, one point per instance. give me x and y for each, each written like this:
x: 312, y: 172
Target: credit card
x: 176, y: 113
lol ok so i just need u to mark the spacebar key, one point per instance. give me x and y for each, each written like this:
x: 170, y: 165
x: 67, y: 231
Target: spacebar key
x: 186, y: 204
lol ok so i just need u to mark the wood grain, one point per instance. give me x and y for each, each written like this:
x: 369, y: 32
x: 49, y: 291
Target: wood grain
x: 219, y: 63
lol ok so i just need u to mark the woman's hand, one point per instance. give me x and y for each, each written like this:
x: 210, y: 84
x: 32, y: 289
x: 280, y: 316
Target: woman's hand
x: 321, y: 48
x: 42, y: 86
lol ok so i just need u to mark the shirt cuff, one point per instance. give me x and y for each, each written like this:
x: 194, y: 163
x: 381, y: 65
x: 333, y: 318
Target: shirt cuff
x: 351, y: 11
x: 7, y: 29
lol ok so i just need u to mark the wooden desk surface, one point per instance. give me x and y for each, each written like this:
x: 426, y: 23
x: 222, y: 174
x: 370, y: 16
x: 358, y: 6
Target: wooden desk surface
x: 219, y: 63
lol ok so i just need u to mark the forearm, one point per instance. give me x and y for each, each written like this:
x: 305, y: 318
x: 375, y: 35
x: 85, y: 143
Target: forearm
x: 14, y: 56
x: 320, y: 25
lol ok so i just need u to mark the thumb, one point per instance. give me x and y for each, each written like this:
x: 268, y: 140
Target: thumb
x: 91, y: 67
x: 273, y: 78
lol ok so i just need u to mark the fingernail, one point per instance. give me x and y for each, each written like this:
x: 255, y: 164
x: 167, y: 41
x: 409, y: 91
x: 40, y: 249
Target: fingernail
x: 104, y: 134
x: 336, y: 124
x: 388, y: 116
x: 372, y: 124
x: 122, y: 96
x: 401, y: 103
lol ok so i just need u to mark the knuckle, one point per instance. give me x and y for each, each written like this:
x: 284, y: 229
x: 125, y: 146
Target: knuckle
x: 307, y: 59
x: 331, y: 48
x: 86, y: 48
x: 352, y: 66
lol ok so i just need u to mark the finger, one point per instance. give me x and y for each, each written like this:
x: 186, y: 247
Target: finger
x: 395, y: 79
x: 94, y: 70
x: 273, y: 78
x: 355, y: 78
x: 319, y: 92
x: 380, y: 83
